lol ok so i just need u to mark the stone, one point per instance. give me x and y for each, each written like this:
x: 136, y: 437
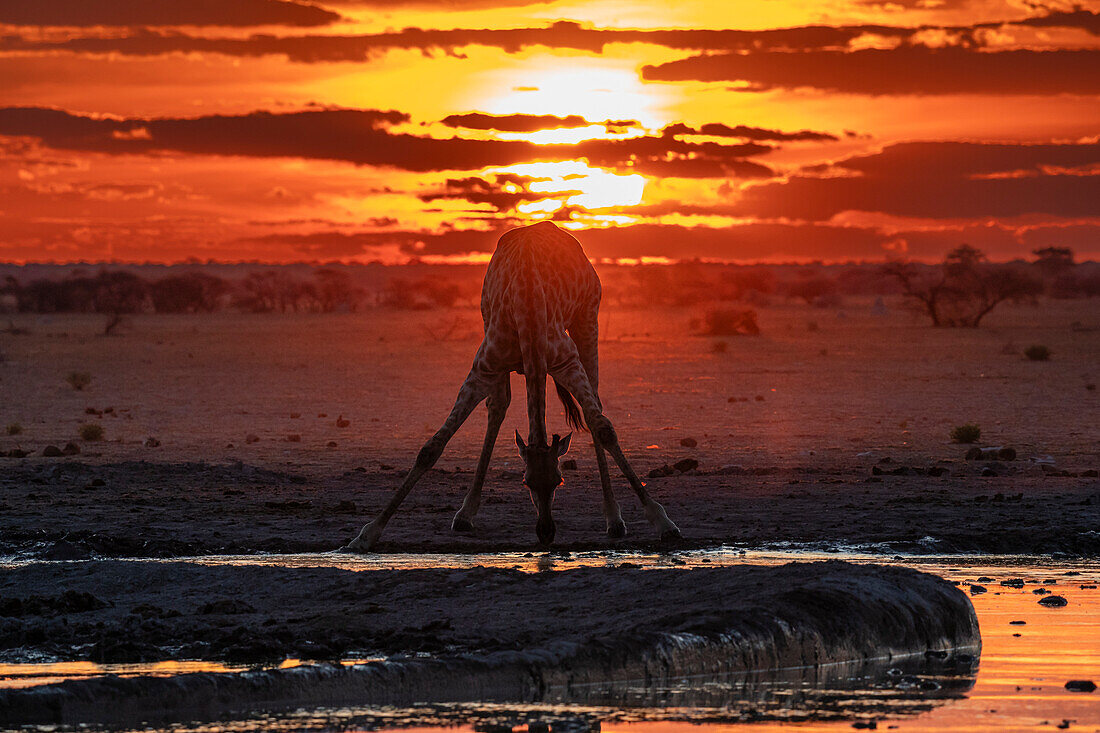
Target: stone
x: 1053, y: 601
x: 689, y: 442
x: 1081, y: 686
x: 52, y: 451
x: 687, y: 464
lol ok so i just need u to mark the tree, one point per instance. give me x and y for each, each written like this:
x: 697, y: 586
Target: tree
x: 965, y: 288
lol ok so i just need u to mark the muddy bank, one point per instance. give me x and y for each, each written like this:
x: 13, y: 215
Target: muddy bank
x: 75, y: 508
x: 493, y: 634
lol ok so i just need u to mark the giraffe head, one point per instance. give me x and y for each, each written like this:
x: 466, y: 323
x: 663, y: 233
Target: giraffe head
x: 542, y: 477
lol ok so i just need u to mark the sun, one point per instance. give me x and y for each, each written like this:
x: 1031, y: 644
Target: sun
x: 572, y: 86
x: 575, y: 183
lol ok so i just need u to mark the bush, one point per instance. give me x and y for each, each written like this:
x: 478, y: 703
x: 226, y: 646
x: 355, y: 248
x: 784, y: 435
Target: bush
x: 91, y: 431
x: 14, y: 428
x: 730, y: 322
x: 1037, y: 352
x: 79, y: 380
x: 968, y: 433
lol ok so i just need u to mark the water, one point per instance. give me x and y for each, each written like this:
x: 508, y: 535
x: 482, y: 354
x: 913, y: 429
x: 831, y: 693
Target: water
x: 1018, y: 686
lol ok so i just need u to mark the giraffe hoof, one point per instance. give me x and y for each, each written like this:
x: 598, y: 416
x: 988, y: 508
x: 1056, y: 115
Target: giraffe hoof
x: 671, y: 535
x: 461, y: 524
x: 617, y: 530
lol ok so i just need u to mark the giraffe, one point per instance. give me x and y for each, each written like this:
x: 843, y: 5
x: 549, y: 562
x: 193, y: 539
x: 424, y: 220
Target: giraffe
x: 539, y: 303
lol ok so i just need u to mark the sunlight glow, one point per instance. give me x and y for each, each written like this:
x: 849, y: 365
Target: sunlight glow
x: 599, y: 189
x: 576, y: 86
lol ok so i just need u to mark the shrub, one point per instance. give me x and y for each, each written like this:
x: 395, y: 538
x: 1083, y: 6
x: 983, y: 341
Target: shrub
x: 15, y: 428
x: 79, y: 380
x: 968, y: 433
x: 91, y: 431
x: 1037, y: 352
x: 729, y: 322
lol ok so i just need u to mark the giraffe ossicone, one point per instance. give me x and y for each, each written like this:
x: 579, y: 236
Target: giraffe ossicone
x: 540, y: 303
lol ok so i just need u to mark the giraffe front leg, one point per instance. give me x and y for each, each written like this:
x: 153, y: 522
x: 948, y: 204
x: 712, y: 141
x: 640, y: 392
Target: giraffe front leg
x: 498, y: 407
x: 616, y: 527
x: 474, y: 390
x: 572, y: 376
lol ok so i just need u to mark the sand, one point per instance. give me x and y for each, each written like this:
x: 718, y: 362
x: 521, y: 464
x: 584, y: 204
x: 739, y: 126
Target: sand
x: 289, y: 432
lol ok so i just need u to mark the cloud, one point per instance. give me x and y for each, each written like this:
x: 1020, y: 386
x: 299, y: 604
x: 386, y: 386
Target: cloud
x: 939, y: 180
x: 355, y: 136
x: 905, y: 70
x: 504, y: 192
x: 562, y: 34
x: 745, y: 132
x: 513, y: 123
x: 135, y: 13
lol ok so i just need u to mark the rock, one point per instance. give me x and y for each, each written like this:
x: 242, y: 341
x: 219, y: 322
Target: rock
x: 689, y: 442
x: 687, y: 464
x: 152, y: 442
x: 251, y: 438
x: 294, y: 438
x: 341, y: 422
x: 665, y: 470
x: 1013, y: 583
x: 987, y: 471
x: 732, y: 470
x: 71, y: 449
x: 977, y: 590
x: 65, y: 550
x: 1017, y: 623
x: 52, y: 451
x: 226, y: 606
x: 1081, y: 686
x: 998, y: 453
x: 569, y: 465
x: 1053, y: 601
x: 331, y: 444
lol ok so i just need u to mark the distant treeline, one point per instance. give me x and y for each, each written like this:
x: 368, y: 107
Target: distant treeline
x: 345, y: 288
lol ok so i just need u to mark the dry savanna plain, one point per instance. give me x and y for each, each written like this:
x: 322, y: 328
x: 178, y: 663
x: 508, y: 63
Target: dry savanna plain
x: 233, y: 433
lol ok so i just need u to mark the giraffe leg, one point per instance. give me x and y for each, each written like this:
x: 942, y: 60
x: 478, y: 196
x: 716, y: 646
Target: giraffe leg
x: 616, y: 527
x: 498, y: 406
x: 571, y: 375
x: 475, y: 389
x: 586, y: 337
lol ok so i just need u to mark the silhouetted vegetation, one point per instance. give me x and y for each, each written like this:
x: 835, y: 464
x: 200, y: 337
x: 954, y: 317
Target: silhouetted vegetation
x: 91, y: 431
x: 730, y: 322
x: 957, y: 292
x: 966, y: 433
x: 965, y: 288
x: 1037, y: 352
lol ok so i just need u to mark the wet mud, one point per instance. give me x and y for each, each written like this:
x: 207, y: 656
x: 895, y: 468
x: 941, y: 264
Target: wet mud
x: 493, y: 634
x: 77, y: 509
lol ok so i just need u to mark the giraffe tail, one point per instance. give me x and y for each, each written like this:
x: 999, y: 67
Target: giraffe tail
x: 573, y: 416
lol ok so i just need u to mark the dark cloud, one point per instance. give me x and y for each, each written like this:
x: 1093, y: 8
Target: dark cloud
x: 477, y: 190
x: 513, y: 123
x: 566, y: 35
x: 940, y: 180
x: 163, y: 13
x: 563, y: 34
x: 355, y: 136
x: 747, y: 133
x: 905, y: 70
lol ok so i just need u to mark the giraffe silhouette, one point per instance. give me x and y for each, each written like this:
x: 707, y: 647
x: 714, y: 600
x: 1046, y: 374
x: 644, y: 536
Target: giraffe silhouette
x: 540, y: 303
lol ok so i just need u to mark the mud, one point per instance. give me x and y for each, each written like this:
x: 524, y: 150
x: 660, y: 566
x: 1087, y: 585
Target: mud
x: 74, y: 509
x: 493, y: 634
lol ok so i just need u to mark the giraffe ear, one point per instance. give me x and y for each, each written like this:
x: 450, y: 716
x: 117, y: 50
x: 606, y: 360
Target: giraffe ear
x: 562, y: 445
x: 520, y: 444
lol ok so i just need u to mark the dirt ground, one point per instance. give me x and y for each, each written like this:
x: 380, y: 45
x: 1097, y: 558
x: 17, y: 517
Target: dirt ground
x: 289, y: 432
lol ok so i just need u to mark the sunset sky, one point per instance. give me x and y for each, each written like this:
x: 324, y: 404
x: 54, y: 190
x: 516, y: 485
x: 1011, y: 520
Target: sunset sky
x: 361, y: 130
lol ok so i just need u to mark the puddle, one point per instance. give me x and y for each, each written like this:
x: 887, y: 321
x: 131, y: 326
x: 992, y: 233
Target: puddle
x: 1018, y: 686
